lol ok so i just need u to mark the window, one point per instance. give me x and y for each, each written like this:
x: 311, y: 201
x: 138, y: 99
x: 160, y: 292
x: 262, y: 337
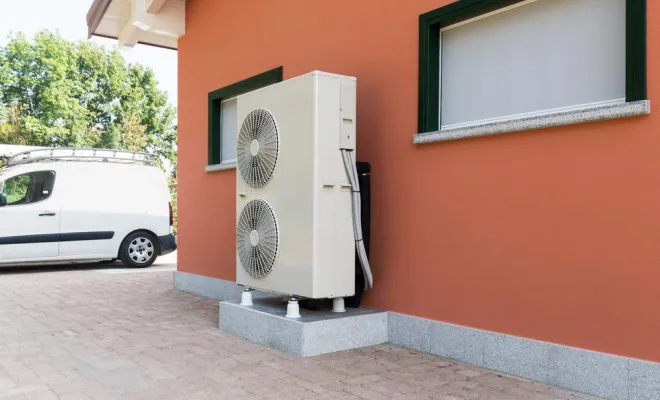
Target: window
x: 16, y: 189
x: 228, y: 110
x: 28, y: 188
x: 485, y: 63
x: 223, y: 124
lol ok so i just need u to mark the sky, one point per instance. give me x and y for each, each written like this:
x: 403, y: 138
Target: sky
x: 69, y: 18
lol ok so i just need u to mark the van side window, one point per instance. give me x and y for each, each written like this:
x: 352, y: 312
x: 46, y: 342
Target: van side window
x: 29, y: 188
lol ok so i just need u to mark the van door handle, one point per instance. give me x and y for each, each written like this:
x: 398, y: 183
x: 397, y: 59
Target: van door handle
x: 47, y: 214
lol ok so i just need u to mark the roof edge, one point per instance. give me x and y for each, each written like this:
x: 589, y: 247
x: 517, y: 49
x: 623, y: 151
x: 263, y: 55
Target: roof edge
x: 138, y: 42
x: 95, y: 15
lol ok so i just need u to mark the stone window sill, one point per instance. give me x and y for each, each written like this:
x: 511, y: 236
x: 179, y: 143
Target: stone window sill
x: 551, y: 119
x: 221, y: 167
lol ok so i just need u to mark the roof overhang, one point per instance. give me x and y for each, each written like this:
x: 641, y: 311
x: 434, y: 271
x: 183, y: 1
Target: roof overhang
x: 151, y: 22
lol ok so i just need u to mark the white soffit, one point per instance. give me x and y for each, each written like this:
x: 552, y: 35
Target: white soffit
x: 152, y: 22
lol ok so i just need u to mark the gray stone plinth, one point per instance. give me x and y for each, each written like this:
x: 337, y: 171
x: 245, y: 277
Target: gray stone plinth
x: 316, y: 332
x: 599, y: 374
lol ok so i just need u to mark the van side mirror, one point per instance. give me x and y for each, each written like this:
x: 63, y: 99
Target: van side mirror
x: 3, y: 200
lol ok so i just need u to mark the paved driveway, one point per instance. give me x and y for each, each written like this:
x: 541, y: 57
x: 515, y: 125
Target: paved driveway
x: 116, y: 334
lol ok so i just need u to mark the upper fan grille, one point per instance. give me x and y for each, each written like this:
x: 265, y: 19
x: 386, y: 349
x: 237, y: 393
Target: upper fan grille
x: 258, y: 147
x: 257, y: 238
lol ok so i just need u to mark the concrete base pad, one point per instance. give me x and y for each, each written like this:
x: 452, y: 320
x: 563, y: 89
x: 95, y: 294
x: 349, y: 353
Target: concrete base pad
x: 316, y: 332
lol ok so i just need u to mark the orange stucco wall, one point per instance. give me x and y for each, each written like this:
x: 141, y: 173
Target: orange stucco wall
x: 550, y: 234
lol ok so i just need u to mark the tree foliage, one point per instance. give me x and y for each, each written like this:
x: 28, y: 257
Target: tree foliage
x: 55, y: 92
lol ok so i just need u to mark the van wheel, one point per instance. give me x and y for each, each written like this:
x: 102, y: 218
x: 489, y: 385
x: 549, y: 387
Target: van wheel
x: 138, y: 250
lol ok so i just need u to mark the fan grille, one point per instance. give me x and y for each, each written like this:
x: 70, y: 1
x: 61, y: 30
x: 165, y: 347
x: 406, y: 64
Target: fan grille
x: 258, y: 147
x: 257, y: 238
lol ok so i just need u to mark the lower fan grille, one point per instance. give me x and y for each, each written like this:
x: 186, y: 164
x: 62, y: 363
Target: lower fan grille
x: 257, y: 238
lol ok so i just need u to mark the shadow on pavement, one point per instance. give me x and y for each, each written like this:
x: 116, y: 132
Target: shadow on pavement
x: 23, y: 269
x: 164, y: 262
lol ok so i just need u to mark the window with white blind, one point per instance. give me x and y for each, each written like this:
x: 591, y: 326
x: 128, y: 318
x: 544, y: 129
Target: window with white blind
x: 498, y: 61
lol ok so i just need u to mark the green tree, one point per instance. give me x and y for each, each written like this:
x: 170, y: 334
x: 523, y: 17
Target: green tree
x: 12, y: 130
x: 55, y: 92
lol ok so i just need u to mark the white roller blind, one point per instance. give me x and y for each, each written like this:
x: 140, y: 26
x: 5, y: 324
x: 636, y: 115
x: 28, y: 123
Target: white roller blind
x: 228, y: 130
x: 540, y: 56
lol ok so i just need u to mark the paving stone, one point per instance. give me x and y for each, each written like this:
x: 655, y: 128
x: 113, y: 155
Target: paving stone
x: 81, y: 334
x: 364, y: 393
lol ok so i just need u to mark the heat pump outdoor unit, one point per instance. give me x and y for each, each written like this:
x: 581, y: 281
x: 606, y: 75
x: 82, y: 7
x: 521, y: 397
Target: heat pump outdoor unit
x: 295, y: 232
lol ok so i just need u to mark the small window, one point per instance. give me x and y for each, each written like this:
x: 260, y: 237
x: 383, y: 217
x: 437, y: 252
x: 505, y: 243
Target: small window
x: 228, y: 130
x: 223, y: 123
x: 28, y: 188
x: 487, y: 61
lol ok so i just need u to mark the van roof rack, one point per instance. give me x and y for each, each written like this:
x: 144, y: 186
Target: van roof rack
x: 81, y: 154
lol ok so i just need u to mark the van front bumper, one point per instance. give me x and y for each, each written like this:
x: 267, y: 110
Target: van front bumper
x: 167, y: 244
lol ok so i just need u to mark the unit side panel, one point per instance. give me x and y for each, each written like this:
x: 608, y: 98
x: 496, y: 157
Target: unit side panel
x: 334, y: 272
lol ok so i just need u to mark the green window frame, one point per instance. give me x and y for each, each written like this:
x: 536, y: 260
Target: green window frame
x: 431, y: 22
x: 216, y: 98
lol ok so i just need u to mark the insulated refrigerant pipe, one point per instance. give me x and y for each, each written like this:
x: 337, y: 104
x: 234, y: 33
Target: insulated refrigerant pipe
x: 351, y: 171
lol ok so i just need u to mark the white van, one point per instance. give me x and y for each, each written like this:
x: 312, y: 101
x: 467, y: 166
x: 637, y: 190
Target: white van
x: 81, y: 205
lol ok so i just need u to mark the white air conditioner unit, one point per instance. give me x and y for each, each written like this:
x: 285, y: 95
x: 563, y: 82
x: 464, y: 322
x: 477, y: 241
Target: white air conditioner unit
x: 294, y: 208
